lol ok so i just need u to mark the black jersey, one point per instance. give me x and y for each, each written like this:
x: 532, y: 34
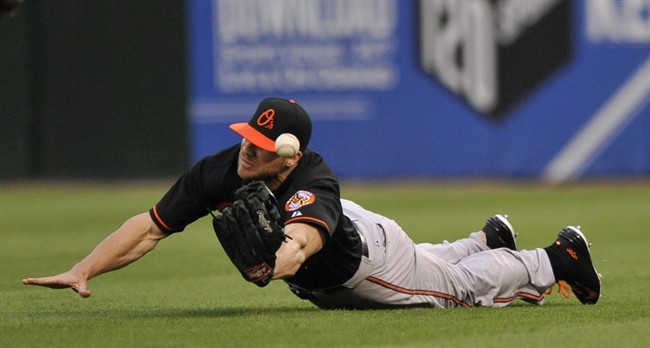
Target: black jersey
x: 309, y: 195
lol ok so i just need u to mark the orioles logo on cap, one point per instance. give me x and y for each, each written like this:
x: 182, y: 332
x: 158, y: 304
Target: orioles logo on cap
x: 299, y: 200
x: 266, y: 119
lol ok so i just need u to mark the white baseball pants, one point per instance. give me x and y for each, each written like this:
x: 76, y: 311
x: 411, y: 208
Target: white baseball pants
x: 400, y: 273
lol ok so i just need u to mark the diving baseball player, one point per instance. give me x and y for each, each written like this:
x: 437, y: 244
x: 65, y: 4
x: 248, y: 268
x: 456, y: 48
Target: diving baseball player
x: 283, y: 218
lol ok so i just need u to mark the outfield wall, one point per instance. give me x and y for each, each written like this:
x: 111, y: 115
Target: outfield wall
x: 552, y: 89
x: 93, y: 89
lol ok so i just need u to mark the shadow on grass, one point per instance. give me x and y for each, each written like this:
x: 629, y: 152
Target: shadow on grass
x: 244, y: 311
x: 213, y: 312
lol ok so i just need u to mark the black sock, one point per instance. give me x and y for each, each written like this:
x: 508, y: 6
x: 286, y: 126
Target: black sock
x: 556, y: 262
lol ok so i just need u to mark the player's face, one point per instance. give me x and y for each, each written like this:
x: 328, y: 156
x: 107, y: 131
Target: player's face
x: 257, y: 164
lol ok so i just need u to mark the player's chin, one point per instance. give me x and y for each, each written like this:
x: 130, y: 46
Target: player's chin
x: 248, y: 174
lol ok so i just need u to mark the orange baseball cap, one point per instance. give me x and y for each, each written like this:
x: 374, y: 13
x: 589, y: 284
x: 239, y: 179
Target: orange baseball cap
x: 275, y: 116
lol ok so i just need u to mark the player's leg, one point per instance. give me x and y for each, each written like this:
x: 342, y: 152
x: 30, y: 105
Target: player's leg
x: 399, y: 273
x: 457, y: 250
x: 500, y: 276
x: 404, y: 274
x: 497, y: 233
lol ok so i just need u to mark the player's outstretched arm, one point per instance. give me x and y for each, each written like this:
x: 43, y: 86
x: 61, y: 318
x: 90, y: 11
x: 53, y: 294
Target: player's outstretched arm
x: 304, y: 241
x: 136, y: 237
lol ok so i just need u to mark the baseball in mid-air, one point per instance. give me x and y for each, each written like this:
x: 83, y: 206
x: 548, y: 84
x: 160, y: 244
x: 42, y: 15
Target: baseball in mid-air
x: 287, y: 145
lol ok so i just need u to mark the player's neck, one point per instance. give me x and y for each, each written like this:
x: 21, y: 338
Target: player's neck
x: 275, y: 182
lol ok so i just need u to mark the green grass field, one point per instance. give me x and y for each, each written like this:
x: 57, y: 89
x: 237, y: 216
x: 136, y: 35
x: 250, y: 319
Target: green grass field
x: 186, y: 293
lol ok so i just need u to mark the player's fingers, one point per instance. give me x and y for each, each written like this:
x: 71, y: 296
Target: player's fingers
x: 50, y: 282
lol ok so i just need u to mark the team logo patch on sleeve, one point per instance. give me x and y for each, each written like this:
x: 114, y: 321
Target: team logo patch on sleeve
x: 300, y: 199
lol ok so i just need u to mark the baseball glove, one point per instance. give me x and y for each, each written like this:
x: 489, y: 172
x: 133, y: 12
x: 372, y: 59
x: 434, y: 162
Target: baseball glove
x: 250, y: 232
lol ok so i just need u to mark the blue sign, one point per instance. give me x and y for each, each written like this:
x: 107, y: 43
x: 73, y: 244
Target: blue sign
x: 552, y: 89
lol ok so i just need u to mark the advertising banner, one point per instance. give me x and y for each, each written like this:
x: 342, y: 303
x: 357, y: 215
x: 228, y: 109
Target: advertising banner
x: 550, y: 89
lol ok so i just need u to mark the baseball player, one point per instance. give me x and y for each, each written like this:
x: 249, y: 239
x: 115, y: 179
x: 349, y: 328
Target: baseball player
x: 283, y: 218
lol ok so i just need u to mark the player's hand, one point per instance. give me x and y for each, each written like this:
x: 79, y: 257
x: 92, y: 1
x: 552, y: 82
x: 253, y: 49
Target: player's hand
x: 69, y: 279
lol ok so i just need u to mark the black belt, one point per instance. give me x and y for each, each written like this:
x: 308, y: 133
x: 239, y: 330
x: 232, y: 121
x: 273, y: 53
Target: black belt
x: 364, y: 244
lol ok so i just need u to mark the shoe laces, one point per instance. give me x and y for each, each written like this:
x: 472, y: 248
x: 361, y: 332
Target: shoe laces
x: 563, y: 289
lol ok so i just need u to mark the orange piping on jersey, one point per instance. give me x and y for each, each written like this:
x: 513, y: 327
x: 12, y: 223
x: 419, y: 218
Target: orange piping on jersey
x: 307, y: 218
x: 417, y: 292
x: 518, y: 295
x: 155, y: 212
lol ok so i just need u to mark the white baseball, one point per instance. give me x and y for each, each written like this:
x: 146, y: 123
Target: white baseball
x: 287, y: 145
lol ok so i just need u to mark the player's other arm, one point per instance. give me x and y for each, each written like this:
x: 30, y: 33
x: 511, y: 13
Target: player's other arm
x: 136, y: 237
x: 304, y: 241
